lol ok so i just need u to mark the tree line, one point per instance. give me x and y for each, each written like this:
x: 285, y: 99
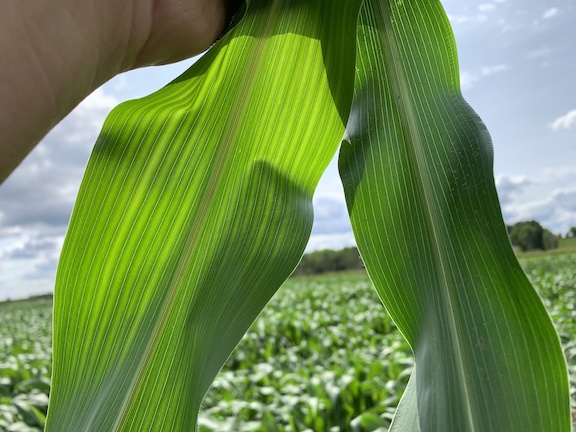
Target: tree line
x: 526, y: 236
x: 531, y: 236
x: 327, y: 261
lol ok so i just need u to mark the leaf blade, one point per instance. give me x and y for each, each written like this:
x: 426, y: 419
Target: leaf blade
x: 192, y: 213
x: 436, y: 248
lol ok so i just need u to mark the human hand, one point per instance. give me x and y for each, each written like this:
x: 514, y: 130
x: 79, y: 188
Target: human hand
x: 167, y: 31
x: 54, y: 53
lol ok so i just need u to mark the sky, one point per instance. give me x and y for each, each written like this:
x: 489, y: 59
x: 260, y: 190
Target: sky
x: 518, y: 71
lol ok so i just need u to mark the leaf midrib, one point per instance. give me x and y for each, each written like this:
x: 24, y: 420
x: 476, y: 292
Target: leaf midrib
x: 415, y: 144
x: 222, y: 155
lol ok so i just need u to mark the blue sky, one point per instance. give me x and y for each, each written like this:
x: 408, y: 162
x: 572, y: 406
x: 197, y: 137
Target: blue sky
x: 518, y: 71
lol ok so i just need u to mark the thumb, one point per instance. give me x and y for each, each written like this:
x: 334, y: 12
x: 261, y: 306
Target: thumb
x: 183, y: 28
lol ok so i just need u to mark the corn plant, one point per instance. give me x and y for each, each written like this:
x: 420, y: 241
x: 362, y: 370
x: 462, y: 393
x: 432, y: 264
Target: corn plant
x: 196, y: 206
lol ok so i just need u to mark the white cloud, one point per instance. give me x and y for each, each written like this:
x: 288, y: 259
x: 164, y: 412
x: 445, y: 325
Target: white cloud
x: 486, y: 7
x: 463, y: 19
x: 467, y: 80
x: 557, y: 213
x: 509, y: 186
x: 330, y: 241
x: 543, y: 51
x: 459, y: 19
x: 491, y: 70
x: 551, y: 13
x: 567, y: 121
x: 330, y: 216
x: 37, y: 199
x: 543, y: 197
x: 331, y: 229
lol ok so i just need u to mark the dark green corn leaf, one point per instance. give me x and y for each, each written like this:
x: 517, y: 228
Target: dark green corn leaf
x: 195, y: 207
x: 417, y: 171
x: 406, y: 415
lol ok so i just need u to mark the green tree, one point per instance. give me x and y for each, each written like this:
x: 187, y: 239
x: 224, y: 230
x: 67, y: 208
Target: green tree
x: 532, y: 236
x: 327, y: 260
x: 527, y: 235
x: 549, y: 240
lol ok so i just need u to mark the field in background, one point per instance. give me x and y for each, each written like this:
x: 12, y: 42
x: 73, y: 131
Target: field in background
x: 565, y: 246
x: 567, y: 243
x: 323, y: 356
